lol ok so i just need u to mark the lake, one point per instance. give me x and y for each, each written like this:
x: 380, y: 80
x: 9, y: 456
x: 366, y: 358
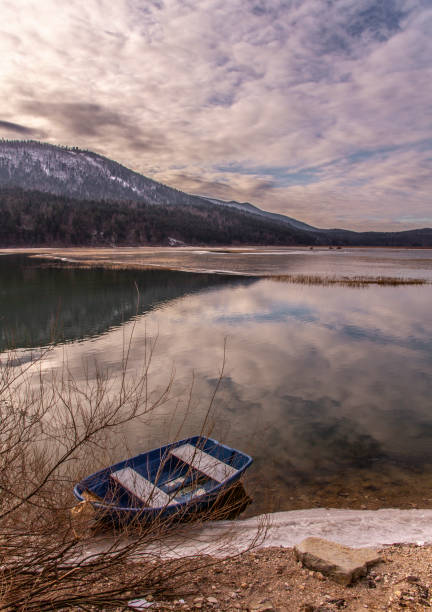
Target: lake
x: 328, y: 387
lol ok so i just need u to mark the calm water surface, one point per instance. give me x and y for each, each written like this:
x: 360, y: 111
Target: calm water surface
x: 329, y: 388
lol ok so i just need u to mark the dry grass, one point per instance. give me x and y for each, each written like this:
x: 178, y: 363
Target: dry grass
x: 301, y: 279
x: 347, y: 281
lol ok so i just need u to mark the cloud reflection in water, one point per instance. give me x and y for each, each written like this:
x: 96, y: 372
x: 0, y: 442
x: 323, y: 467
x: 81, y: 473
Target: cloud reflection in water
x: 317, y: 379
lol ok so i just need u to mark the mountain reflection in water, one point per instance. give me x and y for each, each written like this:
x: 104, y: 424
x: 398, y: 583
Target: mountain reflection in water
x: 41, y: 303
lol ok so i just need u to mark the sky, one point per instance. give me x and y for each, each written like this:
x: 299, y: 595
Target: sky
x: 318, y: 109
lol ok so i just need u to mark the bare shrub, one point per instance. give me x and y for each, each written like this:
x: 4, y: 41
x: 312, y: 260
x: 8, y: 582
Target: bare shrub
x: 52, y: 433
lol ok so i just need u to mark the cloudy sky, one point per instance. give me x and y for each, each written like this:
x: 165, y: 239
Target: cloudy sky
x: 319, y: 109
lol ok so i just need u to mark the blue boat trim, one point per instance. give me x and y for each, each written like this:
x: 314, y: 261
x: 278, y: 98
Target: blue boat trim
x: 162, y: 470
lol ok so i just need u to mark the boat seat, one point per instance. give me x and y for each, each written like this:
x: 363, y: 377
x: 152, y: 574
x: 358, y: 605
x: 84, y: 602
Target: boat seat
x: 141, y: 488
x: 205, y: 463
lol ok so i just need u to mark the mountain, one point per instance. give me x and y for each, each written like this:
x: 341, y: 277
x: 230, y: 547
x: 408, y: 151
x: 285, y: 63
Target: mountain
x: 79, y: 174
x: 85, y: 175
x: 254, y: 210
x: 67, y: 196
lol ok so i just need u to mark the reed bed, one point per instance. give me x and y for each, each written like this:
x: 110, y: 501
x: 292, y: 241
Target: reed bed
x: 347, y: 281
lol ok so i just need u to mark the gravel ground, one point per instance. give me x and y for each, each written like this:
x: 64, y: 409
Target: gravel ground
x: 272, y: 579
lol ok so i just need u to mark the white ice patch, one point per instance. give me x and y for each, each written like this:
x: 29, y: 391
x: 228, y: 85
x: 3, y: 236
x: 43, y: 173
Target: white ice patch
x: 357, y: 528
x: 259, y: 253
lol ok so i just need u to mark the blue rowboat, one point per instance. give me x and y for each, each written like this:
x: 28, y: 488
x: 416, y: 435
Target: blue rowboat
x: 179, y: 481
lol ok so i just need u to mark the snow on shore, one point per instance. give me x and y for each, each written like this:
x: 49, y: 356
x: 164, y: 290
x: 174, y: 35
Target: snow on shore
x: 357, y: 528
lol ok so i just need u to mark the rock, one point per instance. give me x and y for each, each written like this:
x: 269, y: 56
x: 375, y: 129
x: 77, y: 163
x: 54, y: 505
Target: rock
x: 410, y: 595
x: 338, y: 603
x: 263, y: 606
x: 340, y: 563
x: 212, y: 600
x: 412, y: 579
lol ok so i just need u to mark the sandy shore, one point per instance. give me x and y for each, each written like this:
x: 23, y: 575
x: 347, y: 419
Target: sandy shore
x: 271, y: 580
x: 268, y: 577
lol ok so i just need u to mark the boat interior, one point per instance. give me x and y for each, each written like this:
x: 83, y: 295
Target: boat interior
x: 178, y: 475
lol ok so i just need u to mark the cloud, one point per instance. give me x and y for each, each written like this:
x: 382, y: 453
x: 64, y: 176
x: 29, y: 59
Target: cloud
x: 311, y: 105
x: 78, y: 118
x: 86, y: 120
x: 8, y: 126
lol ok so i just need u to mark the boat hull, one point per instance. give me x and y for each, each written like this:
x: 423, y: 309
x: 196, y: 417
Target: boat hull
x: 161, y: 467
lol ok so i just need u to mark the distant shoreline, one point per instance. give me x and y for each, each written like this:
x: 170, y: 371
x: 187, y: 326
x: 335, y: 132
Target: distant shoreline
x: 167, y: 258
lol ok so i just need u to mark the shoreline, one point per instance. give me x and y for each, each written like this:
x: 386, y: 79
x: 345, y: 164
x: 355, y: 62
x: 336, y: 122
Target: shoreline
x: 268, y: 578
x: 149, y: 258
x: 271, y: 580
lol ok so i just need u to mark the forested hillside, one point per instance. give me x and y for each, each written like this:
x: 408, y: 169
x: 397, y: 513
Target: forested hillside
x: 62, y: 196
x: 33, y: 218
